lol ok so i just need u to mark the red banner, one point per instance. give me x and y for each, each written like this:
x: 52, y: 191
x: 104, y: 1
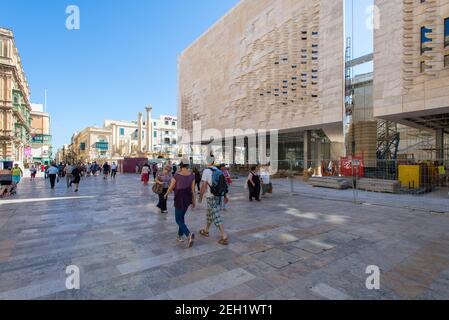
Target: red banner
x: 351, y: 166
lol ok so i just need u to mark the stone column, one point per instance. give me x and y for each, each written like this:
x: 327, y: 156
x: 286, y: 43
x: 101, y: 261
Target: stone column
x: 440, y: 144
x: 149, y: 137
x: 307, y: 149
x: 139, y: 133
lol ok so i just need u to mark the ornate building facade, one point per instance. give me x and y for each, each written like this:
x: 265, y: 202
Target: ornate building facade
x: 15, y: 108
x: 41, y: 140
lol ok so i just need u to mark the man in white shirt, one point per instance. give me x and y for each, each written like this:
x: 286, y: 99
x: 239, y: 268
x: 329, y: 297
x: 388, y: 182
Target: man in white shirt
x: 68, y: 174
x: 212, y: 202
x: 113, y: 170
x: 52, y: 172
x: 266, y: 182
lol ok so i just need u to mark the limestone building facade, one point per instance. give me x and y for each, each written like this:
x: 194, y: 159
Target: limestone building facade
x: 15, y: 108
x: 41, y: 139
x: 117, y: 139
x: 411, y: 66
x: 269, y: 65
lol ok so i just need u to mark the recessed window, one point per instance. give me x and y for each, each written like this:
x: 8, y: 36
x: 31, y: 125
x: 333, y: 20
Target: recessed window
x: 446, y: 32
x: 446, y: 61
x: 423, y: 66
x: 122, y: 131
x: 166, y: 123
x: 425, y: 39
x: 173, y: 123
x: 155, y: 134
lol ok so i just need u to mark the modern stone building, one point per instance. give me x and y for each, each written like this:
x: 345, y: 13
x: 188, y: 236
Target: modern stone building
x: 41, y: 148
x: 15, y: 108
x: 411, y: 67
x: 270, y: 65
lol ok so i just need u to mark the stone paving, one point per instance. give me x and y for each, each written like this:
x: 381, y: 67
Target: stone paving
x: 314, y: 244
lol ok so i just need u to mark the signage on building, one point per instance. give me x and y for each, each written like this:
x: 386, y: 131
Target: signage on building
x: 41, y: 138
x: 28, y: 151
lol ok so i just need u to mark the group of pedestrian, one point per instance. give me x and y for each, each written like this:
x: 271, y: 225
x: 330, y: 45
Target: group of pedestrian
x: 73, y: 173
x: 212, y: 187
x: 258, y: 181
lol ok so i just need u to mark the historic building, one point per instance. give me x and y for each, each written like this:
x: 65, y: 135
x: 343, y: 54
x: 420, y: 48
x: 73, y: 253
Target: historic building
x: 91, y: 144
x: 159, y: 134
x: 270, y: 65
x: 411, y: 68
x: 41, y: 142
x: 117, y: 139
x: 15, y: 108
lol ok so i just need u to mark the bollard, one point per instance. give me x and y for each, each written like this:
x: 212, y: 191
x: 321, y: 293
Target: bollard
x: 291, y: 177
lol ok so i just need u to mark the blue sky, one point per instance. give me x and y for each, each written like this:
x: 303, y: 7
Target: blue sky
x: 123, y: 58
x: 356, y: 28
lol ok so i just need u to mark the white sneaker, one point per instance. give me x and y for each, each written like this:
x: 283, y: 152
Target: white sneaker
x: 179, y: 239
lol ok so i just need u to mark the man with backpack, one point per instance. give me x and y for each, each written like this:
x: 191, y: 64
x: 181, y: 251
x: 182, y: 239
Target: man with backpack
x: 213, y: 187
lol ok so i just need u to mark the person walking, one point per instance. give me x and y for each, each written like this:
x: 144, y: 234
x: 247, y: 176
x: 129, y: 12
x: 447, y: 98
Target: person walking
x: 106, y: 170
x: 254, y: 184
x: 183, y: 183
x: 154, y: 168
x: 113, y: 170
x: 60, y: 170
x: 145, y: 176
x: 53, y: 174
x: 197, y: 174
x: 33, y: 172
x: 76, y: 174
x: 46, y: 171
x: 224, y: 198
x: 163, y: 178
x: 213, y: 188
x: 68, y: 174
x: 267, y: 186
x: 17, y: 174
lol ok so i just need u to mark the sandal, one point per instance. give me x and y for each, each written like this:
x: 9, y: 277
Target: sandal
x: 224, y: 242
x: 191, y: 239
x: 204, y: 233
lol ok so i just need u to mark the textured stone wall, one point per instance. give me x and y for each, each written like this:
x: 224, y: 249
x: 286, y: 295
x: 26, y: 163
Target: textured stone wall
x: 266, y: 64
x: 406, y: 81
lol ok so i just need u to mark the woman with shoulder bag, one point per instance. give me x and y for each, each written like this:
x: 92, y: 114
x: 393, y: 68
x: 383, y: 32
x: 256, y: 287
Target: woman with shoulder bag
x: 163, y: 179
x: 183, y: 183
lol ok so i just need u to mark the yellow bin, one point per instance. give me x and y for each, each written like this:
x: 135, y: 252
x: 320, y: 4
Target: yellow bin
x: 409, y: 176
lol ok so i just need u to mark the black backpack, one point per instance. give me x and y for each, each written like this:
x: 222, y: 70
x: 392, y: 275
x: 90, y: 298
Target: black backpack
x: 219, y: 186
